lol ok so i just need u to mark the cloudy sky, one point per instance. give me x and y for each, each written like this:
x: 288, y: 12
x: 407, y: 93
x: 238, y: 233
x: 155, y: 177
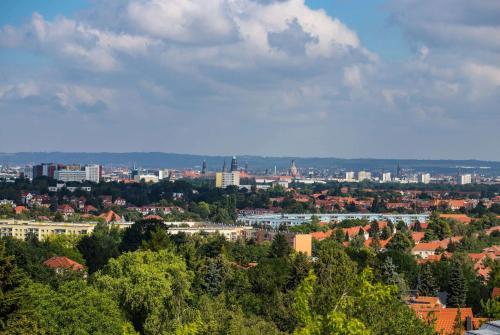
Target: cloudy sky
x: 336, y: 78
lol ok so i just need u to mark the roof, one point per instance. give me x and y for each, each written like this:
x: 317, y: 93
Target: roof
x: 456, y: 217
x: 110, y: 216
x: 417, y: 236
x: 58, y: 262
x: 320, y: 235
x: 445, y: 317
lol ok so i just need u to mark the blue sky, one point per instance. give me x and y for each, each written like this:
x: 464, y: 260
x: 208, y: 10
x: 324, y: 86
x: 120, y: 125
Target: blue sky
x: 342, y: 78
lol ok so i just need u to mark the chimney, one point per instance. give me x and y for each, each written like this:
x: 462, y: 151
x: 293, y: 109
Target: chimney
x: 468, y: 323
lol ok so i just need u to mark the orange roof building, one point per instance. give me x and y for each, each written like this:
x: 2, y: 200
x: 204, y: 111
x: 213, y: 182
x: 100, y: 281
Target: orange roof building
x: 61, y: 262
x: 457, y: 217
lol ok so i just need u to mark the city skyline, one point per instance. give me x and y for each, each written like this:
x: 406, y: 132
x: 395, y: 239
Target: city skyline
x: 389, y: 79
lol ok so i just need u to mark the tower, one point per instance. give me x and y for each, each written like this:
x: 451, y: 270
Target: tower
x: 234, y: 164
x: 398, y: 171
x: 224, y: 169
x: 204, y: 167
x: 293, y: 169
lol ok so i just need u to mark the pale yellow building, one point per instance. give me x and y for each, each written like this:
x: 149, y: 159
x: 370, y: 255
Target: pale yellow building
x: 22, y: 228
x: 225, y: 179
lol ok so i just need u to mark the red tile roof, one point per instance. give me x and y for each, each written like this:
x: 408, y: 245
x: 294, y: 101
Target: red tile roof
x: 445, y: 317
x: 457, y: 217
x: 58, y: 262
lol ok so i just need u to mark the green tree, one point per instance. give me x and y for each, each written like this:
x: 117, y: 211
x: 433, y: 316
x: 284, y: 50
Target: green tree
x: 100, y: 246
x: 400, y: 242
x: 491, y: 308
x: 280, y: 247
x: 74, y: 308
x: 457, y: 291
x: 427, y: 285
x: 151, y: 288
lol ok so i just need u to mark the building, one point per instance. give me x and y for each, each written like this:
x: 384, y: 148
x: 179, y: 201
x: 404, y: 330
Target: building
x: 424, y: 178
x: 147, y: 178
x: 234, y: 164
x: 364, y: 175
x: 294, y: 172
x: 276, y: 220
x: 61, y: 263
x: 349, y: 176
x: 204, y: 167
x: 464, y: 179
x: 488, y: 328
x: 386, y: 177
x: 21, y: 229
x: 93, y: 173
x: 225, y: 179
x: 68, y: 175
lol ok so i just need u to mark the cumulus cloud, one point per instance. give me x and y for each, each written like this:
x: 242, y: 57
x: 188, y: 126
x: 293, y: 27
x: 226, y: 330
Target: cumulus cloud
x: 253, y: 76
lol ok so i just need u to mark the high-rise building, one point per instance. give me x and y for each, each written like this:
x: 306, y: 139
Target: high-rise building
x: 424, y: 178
x: 386, y: 177
x: 294, y: 172
x: 234, y: 164
x: 398, y: 171
x: 464, y: 179
x: 93, y: 173
x: 349, y: 176
x: 364, y: 175
x: 28, y: 172
x: 225, y: 179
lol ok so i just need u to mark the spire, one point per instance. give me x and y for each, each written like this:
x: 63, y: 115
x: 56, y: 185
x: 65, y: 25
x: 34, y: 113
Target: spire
x: 224, y: 169
x: 204, y: 167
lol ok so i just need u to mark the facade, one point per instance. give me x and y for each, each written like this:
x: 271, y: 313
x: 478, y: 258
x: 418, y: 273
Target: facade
x: 349, y: 176
x: 230, y: 233
x: 23, y: 228
x: 276, y: 220
x: 386, y: 177
x: 148, y: 178
x: 364, y: 175
x: 424, y: 178
x: 464, y: 179
x: 67, y: 175
x: 93, y: 173
x: 225, y: 179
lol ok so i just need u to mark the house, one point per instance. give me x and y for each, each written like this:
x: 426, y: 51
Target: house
x: 61, y: 263
x: 425, y: 249
x: 417, y: 236
x: 26, y: 198
x: 65, y: 209
x: 355, y: 231
x: 444, y: 317
x: 111, y: 216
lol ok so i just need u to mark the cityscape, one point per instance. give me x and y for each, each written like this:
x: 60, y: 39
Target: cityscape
x: 253, y: 167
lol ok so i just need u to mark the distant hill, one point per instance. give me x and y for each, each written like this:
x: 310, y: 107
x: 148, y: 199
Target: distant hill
x: 255, y: 163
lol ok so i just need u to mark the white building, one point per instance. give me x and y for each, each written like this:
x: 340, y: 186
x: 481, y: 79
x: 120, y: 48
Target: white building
x: 349, y: 176
x: 70, y: 175
x: 28, y: 172
x: 364, y: 175
x: 386, y: 177
x: 464, y: 179
x: 424, y: 178
x: 93, y: 173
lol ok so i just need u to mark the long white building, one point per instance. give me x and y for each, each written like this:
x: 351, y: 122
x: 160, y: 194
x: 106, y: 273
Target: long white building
x: 276, y: 220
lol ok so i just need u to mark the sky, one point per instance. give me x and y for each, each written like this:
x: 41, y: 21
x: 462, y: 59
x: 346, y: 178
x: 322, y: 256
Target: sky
x: 313, y: 78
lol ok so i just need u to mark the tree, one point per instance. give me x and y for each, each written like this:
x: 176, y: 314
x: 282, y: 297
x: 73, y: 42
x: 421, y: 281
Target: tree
x: 100, y: 246
x: 427, y: 283
x: 336, y: 274
x: 437, y: 229
x: 280, y: 247
x: 400, y: 242
x: 11, y: 297
x: 139, y: 231
x: 151, y: 288
x: 491, y: 308
x: 457, y: 292
x: 74, y: 308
